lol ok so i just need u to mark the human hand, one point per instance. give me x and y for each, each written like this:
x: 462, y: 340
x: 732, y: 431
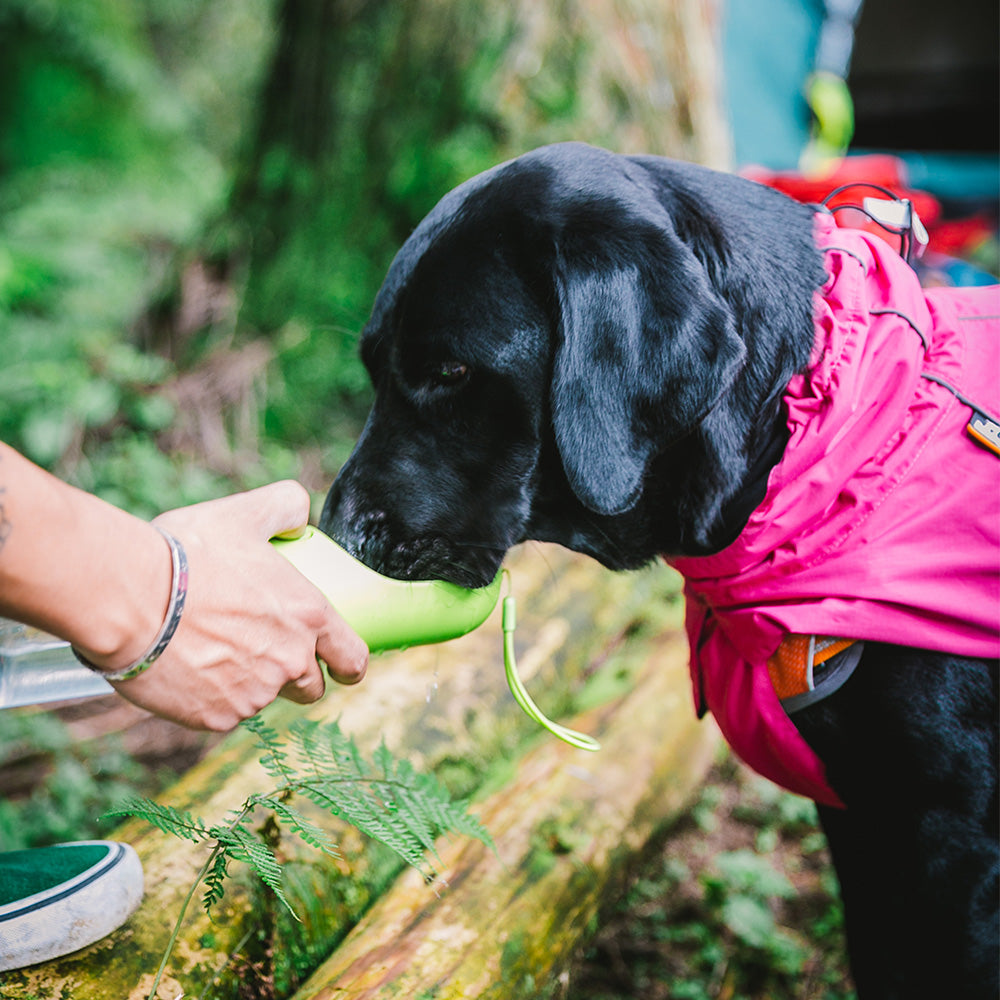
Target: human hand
x: 253, y: 626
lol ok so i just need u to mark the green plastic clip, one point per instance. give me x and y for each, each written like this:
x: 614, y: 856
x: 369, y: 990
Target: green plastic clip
x: 508, y: 623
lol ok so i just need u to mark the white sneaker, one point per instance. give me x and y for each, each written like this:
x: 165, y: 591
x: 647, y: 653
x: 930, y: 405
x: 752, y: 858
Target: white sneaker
x: 56, y: 900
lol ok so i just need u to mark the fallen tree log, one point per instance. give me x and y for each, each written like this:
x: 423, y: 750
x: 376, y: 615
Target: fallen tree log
x: 506, y: 925
x: 585, y: 638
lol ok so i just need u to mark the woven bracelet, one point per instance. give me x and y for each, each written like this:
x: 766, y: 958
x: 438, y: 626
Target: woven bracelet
x: 178, y: 593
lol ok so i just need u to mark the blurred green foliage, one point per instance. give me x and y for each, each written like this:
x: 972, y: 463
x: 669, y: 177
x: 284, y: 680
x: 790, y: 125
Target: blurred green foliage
x: 66, y: 785
x: 141, y: 140
x: 180, y: 179
x: 111, y: 158
x: 740, y: 901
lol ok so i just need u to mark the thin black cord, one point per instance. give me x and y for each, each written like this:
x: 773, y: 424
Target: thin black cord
x: 905, y: 233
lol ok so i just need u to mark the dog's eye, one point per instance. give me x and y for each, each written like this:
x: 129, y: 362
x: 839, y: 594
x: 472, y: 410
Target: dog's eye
x: 449, y: 373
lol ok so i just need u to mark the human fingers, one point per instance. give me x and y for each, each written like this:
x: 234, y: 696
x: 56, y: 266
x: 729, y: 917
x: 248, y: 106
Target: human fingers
x: 308, y: 687
x: 342, y: 650
x: 280, y: 508
x: 253, y: 625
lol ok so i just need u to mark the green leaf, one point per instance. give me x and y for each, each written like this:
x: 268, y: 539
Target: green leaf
x: 745, y: 871
x: 215, y: 880
x: 47, y: 434
x: 749, y: 919
x: 166, y: 818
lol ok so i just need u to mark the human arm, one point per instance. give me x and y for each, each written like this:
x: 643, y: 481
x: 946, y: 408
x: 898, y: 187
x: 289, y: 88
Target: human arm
x: 252, y: 625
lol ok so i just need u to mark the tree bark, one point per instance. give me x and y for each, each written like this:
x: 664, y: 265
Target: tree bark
x: 567, y: 831
x: 294, y: 133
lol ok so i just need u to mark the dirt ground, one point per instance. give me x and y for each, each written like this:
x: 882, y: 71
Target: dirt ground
x: 738, y: 902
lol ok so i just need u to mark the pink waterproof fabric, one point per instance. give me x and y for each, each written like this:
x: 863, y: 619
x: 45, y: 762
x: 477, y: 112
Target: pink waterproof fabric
x: 882, y: 520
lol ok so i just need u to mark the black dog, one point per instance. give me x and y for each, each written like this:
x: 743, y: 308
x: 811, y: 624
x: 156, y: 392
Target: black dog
x: 593, y: 349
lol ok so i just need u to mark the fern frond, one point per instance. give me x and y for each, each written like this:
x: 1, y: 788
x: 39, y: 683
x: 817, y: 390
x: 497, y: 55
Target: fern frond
x: 427, y: 805
x: 311, y: 752
x: 165, y: 818
x: 384, y: 798
x: 462, y: 822
x: 389, y: 801
x: 357, y: 805
x: 416, y: 809
x: 385, y: 761
x: 305, y: 828
x: 426, y: 796
x: 242, y: 844
x: 215, y: 879
x: 274, y: 757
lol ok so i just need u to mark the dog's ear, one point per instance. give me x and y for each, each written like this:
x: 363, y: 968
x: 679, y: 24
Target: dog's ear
x: 646, y: 349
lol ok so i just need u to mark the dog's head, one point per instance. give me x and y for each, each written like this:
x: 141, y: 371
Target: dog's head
x: 547, y: 351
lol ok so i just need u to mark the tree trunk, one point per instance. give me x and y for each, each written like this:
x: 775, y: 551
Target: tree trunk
x: 285, y: 166
x: 371, y: 111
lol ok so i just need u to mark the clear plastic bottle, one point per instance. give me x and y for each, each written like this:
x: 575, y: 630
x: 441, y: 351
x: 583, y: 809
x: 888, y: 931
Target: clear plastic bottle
x: 36, y: 667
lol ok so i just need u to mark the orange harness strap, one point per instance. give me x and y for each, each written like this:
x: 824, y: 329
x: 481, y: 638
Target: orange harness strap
x: 792, y: 666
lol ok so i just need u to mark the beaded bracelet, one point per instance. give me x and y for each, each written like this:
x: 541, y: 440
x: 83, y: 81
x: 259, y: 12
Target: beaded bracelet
x: 178, y: 593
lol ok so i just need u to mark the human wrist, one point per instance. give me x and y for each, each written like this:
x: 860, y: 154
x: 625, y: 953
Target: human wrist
x: 130, y: 602
x: 175, y: 608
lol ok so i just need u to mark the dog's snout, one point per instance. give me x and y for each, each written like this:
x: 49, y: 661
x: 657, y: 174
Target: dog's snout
x: 363, y: 527
x: 336, y: 520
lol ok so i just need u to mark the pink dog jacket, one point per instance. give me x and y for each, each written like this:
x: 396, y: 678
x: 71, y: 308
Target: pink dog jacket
x: 882, y: 519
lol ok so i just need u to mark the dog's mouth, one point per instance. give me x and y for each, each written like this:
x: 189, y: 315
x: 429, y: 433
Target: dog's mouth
x: 469, y: 565
x: 440, y: 559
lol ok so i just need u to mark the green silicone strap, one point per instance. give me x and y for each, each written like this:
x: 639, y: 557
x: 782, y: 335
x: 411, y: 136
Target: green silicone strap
x: 517, y: 689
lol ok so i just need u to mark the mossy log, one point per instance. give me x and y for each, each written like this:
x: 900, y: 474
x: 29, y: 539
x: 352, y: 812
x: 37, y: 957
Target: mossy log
x: 586, y: 639
x: 566, y: 830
